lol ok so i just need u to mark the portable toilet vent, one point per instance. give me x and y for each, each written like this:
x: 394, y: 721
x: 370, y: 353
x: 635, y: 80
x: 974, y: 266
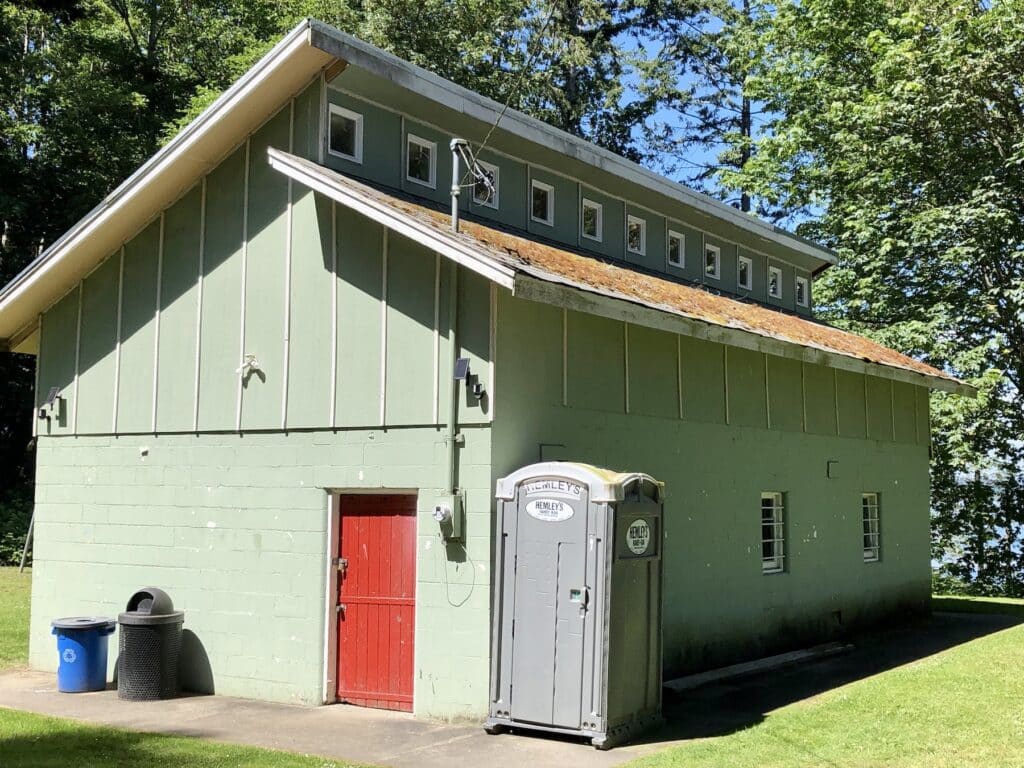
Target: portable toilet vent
x: 576, y: 631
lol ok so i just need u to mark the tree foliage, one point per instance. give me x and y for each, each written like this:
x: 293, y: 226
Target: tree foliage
x: 898, y: 133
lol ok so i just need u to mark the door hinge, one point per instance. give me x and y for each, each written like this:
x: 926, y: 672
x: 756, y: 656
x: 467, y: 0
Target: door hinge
x: 339, y: 608
x: 340, y: 564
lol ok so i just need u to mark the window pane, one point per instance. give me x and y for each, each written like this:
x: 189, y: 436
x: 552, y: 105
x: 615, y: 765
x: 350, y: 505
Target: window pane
x: 675, y: 250
x: 774, y: 288
x: 590, y: 220
x: 343, y: 135
x: 419, y: 163
x: 800, y: 292
x: 744, y: 276
x: 485, y: 186
x: 635, y: 236
x: 711, y: 262
x: 540, y: 204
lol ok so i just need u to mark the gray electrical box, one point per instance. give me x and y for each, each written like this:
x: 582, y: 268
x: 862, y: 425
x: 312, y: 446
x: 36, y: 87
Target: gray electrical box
x: 576, y: 632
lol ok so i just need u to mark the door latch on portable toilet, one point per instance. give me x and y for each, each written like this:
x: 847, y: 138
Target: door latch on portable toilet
x: 449, y: 514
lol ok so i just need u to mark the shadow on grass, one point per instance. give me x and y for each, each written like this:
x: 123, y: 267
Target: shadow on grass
x: 956, y: 604
x: 726, y: 707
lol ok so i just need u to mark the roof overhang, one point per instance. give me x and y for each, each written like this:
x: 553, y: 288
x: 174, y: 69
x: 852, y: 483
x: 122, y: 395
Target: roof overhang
x: 300, y: 56
x: 488, y: 258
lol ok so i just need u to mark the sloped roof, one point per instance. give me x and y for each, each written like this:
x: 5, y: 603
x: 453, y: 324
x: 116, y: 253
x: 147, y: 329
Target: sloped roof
x: 310, y: 48
x: 519, y: 263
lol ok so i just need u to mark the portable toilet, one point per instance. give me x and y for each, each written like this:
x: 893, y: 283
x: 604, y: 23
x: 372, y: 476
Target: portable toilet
x: 576, y: 620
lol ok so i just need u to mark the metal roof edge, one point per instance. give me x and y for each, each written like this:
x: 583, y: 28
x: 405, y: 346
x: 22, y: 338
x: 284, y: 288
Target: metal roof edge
x: 205, y: 121
x: 433, y: 86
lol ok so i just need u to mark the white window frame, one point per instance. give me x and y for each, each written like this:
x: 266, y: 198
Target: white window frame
x: 777, y: 271
x: 776, y: 506
x: 494, y: 171
x: 412, y: 138
x: 630, y: 221
x: 336, y: 109
x: 740, y: 261
x: 682, y: 248
x: 717, y: 251
x: 550, y: 220
x: 587, y: 202
x: 805, y: 283
x: 870, y: 510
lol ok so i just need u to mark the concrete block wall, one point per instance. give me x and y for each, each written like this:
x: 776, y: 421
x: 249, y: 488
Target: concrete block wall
x: 234, y: 527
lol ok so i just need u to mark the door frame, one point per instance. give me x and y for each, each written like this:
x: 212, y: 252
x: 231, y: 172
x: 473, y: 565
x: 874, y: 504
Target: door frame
x: 333, y: 528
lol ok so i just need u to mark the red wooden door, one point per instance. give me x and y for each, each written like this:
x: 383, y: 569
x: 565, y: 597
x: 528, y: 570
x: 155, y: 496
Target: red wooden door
x: 377, y: 595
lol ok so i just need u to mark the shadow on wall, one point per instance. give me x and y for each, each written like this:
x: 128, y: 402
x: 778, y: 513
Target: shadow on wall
x: 196, y: 674
x: 722, y: 708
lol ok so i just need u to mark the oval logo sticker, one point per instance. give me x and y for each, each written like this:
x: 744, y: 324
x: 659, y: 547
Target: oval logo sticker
x: 549, y: 510
x: 638, y: 537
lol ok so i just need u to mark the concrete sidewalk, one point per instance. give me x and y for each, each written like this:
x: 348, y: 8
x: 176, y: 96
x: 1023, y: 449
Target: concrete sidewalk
x: 340, y: 732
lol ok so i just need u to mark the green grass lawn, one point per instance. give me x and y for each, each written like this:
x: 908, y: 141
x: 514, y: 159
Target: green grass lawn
x: 962, y: 708
x: 34, y: 741
x: 15, y: 589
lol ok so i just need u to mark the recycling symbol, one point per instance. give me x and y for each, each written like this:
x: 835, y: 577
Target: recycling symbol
x: 70, y: 656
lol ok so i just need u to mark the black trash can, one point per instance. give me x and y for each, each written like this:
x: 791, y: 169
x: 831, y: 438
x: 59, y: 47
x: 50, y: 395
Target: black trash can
x: 150, y: 647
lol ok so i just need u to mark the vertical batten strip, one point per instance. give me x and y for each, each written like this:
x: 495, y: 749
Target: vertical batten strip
x: 156, y: 317
x: 867, y: 410
x: 321, y: 135
x: 117, y: 343
x: 493, y: 343
x: 436, y: 413
x: 39, y: 358
x: 288, y: 275
x: 199, y: 305
x: 334, y: 315
x: 725, y: 378
x: 244, y: 279
x: 78, y: 360
x: 892, y: 407
x: 835, y: 396
x: 384, y: 331
x: 565, y: 356
x: 767, y: 395
x: 803, y: 396
x: 625, y: 361
x: 679, y: 372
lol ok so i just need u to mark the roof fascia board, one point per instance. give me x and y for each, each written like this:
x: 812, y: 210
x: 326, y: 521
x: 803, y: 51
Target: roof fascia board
x: 561, y: 293
x: 436, y: 88
x: 472, y: 258
x: 179, y: 149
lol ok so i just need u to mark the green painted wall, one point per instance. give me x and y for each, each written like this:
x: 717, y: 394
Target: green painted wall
x: 718, y: 605
x: 219, y: 504
x: 234, y: 528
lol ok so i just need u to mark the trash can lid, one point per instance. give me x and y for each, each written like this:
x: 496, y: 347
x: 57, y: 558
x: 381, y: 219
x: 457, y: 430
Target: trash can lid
x: 138, y: 618
x: 83, y: 622
x: 150, y: 601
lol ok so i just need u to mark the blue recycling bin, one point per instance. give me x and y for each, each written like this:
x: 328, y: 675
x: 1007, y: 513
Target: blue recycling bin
x: 82, y: 648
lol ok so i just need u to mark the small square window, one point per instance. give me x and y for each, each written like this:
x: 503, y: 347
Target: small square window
x: 801, y: 291
x: 676, y: 249
x: 636, y: 235
x: 421, y: 161
x: 872, y: 533
x: 773, y: 532
x: 591, y: 223
x: 745, y: 273
x: 775, y: 282
x: 345, y: 137
x: 712, y: 261
x: 485, y: 185
x: 542, y: 203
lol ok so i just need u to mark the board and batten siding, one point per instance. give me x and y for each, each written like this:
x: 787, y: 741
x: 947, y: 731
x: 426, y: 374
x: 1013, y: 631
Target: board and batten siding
x: 719, y: 425
x: 348, y: 323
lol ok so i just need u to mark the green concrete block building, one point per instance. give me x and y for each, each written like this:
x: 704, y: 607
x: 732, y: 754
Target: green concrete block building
x: 247, y: 395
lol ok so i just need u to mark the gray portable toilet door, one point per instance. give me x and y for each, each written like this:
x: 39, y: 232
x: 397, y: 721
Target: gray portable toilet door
x: 550, y: 612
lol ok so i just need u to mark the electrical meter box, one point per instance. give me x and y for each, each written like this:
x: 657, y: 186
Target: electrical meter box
x: 577, y: 615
